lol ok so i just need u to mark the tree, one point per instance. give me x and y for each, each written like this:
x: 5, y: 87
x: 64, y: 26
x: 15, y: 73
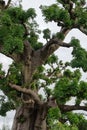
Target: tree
x: 27, y: 75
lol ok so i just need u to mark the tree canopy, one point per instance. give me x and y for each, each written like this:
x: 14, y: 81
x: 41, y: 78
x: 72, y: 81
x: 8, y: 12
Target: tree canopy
x: 35, y: 66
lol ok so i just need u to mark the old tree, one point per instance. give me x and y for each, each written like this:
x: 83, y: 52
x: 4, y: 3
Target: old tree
x: 28, y: 74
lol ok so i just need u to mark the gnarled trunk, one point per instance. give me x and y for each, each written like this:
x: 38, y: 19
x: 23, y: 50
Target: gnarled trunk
x: 30, y: 118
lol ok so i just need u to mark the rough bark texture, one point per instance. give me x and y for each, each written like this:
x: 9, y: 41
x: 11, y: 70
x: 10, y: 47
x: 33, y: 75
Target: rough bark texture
x: 28, y: 117
x: 32, y: 115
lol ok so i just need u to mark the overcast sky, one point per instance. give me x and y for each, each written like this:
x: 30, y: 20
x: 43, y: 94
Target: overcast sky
x: 63, y: 53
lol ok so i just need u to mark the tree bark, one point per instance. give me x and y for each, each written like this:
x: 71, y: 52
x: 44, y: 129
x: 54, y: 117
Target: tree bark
x: 30, y: 117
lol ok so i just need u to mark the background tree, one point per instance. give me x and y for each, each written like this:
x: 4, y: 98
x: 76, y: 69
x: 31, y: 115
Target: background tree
x: 28, y: 74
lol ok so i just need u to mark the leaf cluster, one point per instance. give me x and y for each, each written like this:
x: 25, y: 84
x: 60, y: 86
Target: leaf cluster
x: 79, y: 55
x: 33, y: 39
x: 12, y: 30
x: 5, y: 107
x: 67, y: 86
x: 14, y: 73
x: 75, y: 118
x: 56, y: 14
x: 18, y: 15
x: 47, y: 34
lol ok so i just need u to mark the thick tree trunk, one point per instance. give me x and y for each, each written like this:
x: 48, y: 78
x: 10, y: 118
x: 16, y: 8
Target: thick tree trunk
x: 30, y: 118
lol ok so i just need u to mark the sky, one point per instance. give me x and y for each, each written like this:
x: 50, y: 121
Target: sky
x: 63, y: 53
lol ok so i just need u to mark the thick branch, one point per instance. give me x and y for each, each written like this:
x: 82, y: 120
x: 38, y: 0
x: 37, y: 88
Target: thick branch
x: 27, y: 47
x: 83, y: 30
x: 50, y: 47
x: 27, y: 91
x: 66, y: 108
x: 59, y: 42
x: 28, y: 50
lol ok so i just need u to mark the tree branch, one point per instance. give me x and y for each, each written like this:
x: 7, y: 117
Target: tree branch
x: 52, y: 102
x: 70, y: 7
x: 66, y: 108
x: 50, y: 47
x: 83, y: 30
x: 14, y: 56
x: 26, y: 30
x: 19, y: 57
x: 8, y: 3
x: 28, y: 50
x: 27, y: 91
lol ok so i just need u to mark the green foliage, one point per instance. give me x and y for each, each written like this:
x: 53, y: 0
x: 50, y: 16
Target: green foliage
x: 41, y: 69
x: 14, y: 74
x: 5, y: 19
x: 76, y: 74
x: 81, y: 14
x: 70, y: 85
x: 60, y: 126
x: 12, y: 100
x: 82, y: 125
x: 78, y: 100
x: 47, y: 34
x: 11, y: 45
x: 78, y: 120
x: 59, y: 35
x: 5, y: 107
x: 2, y: 72
x: 57, y: 14
x: 54, y: 113
x: 15, y: 23
x: 66, y: 127
x: 82, y: 90
x: 12, y: 29
x: 67, y: 86
x: 79, y: 55
x: 74, y: 118
x: 33, y: 39
x: 52, y: 117
x: 48, y: 91
x: 75, y: 43
x: 18, y: 15
x: 31, y: 13
x: 52, y: 59
x: 11, y: 33
x: 61, y: 14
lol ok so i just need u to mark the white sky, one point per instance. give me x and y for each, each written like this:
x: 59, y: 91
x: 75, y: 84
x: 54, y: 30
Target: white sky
x: 63, y: 53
